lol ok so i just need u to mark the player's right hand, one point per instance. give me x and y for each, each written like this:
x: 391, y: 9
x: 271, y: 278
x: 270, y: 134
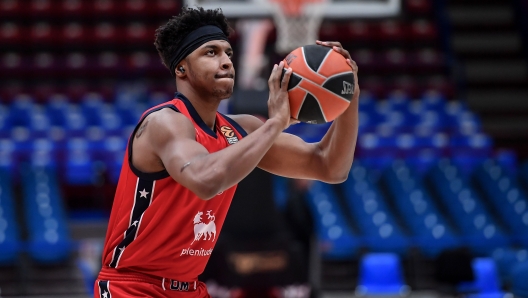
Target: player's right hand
x: 278, y: 102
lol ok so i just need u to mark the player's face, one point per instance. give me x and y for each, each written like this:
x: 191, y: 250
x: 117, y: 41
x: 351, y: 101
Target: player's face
x: 211, y: 69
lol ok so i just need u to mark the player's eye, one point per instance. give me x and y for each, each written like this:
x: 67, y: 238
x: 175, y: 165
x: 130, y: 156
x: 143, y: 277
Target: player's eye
x: 230, y: 55
x: 210, y: 52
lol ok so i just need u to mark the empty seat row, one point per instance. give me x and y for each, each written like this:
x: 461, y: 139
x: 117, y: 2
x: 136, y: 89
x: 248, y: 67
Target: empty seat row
x: 78, y: 8
x: 380, y: 230
x: 431, y: 231
x: 80, y: 65
x: 386, y: 31
x: 466, y: 208
x: 44, y: 216
x: 505, y: 195
x: 102, y: 35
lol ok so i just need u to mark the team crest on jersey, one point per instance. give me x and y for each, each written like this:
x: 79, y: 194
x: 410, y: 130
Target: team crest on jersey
x: 229, y: 134
x: 204, y: 231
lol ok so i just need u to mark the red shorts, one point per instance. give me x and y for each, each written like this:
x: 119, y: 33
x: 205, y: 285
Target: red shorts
x: 132, y: 284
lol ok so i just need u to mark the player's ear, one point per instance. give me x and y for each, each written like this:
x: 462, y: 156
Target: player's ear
x: 180, y: 71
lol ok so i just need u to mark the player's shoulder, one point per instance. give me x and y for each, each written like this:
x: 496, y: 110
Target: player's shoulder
x: 249, y: 123
x: 168, y: 121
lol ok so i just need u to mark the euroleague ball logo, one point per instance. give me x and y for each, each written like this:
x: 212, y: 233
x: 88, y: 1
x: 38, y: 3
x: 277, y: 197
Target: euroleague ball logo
x: 229, y: 134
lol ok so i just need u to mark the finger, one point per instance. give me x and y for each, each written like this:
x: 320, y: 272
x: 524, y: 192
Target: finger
x: 294, y: 121
x: 271, y: 78
x: 286, y: 79
x: 332, y: 44
x: 278, y: 75
x: 352, y: 64
x: 343, y: 52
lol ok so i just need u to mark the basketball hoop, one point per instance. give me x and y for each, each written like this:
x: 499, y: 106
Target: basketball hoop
x: 297, y: 22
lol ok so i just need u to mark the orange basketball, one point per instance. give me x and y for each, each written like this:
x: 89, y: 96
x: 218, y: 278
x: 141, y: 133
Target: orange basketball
x: 321, y: 85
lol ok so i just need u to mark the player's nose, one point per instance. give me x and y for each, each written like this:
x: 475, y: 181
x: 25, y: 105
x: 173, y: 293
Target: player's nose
x: 226, y: 62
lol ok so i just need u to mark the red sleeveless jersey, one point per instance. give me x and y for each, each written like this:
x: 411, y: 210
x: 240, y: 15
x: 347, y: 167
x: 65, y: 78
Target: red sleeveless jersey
x: 158, y: 226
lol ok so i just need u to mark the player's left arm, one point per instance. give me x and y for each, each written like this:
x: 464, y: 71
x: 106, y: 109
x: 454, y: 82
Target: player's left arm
x: 328, y: 160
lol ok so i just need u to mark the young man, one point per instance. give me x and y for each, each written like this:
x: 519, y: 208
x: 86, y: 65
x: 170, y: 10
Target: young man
x: 184, y: 160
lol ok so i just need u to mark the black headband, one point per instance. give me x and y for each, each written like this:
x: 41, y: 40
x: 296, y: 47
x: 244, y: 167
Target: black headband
x: 193, y: 41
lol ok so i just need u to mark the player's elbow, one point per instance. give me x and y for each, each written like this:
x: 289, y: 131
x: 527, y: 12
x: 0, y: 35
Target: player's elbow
x: 208, y: 187
x: 335, y: 175
x: 337, y: 178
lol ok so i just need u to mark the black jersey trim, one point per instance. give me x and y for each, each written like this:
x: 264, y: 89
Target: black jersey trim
x: 104, y: 289
x: 194, y: 114
x: 142, y: 199
x: 237, y: 126
x: 148, y: 176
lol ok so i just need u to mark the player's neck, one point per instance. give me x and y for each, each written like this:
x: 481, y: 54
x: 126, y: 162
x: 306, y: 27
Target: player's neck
x: 206, y: 107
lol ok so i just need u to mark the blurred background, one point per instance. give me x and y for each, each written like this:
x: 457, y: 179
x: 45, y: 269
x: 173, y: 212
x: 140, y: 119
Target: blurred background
x: 436, y: 203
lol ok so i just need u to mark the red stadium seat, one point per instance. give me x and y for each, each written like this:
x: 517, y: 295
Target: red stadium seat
x: 138, y: 8
x: 166, y: 7
x: 44, y: 64
x: 76, y: 8
x: 138, y: 61
x: 391, y: 30
x: 359, y: 30
x: 76, y: 64
x: 442, y: 85
x: 105, y: 34
x: 10, y: 34
x: 395, y: 59
x: 105, y: 8
x: 11, y: 66
x: 138, y: 33
x: 73, y: 34
x: 407, y: 85
x: 43, y: 33
x: 419, y: 7
x: 423, y: 30
x: 11, y: 8
x: 427, y: 60
x: 43, y: 8
x: 108, y: 64
x: 366, y: 58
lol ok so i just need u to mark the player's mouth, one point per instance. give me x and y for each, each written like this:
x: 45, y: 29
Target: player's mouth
x: 225, y: 76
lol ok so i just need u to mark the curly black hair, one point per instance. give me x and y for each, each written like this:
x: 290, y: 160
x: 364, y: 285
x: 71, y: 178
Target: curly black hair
x: 170, y: 35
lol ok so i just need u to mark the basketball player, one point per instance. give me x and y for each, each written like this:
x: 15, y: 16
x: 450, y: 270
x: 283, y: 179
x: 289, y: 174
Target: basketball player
x: 184, y: 160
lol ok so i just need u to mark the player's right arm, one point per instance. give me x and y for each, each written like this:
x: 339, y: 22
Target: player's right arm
x: 171, y: 137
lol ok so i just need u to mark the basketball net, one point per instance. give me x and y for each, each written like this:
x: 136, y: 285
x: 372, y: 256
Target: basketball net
x: 297, y: 22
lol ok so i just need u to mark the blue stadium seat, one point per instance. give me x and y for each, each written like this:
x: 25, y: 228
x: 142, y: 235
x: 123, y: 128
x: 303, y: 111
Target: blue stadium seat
x: 378, y: 226
x: 79, y: 166
x: 91, y: 107
x: 336, y: 238
x: 431, y: 232
x: 56, y: 110
x: 21, y: 110
x: 7, y: 157
x: 470, y: 151
x: 519, y: 286
x: 510, y: 201
x: 434, y: 100
x: 486, y: 283
x: 9, y: 231
x: 377, y: 151
x: 506, y: 259
x: 481, y: 232
x: 49, y: 241
x: 381, y: 274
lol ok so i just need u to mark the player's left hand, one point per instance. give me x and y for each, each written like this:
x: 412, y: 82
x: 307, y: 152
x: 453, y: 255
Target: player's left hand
x: 336, y: 46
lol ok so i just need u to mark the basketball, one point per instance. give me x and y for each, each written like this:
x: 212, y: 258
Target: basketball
x: 321, y: 84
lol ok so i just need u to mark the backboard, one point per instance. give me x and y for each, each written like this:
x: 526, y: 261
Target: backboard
x: 335, y: 9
